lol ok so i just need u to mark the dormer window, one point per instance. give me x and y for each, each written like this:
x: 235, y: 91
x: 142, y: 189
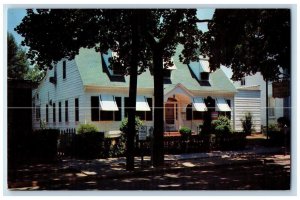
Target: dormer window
x: 201, y: 70
x: 114, y: 70
x: 204, y: 76
x: 167, y: 71
x: 117, y: 70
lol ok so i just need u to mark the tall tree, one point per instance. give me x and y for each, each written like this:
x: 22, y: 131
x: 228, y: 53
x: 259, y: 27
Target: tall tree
x: 17, y: 65
x: 250, y: 41
x: 54, y: 34
x: 164, y: 30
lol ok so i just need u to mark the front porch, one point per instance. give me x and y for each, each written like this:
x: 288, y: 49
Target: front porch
x: 182, y: 108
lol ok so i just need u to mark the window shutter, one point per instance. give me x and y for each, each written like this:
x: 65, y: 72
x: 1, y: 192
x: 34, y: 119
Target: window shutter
x: 95, y: 108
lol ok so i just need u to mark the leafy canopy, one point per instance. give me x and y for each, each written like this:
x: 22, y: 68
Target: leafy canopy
x: 250, y: 41
x: 17, y: 65
x: 53, y: 34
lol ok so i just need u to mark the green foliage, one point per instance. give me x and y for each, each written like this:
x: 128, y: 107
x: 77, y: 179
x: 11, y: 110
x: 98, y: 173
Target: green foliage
x: 249, y: 41
x: 273, y: 127
x: 43, y: 124
x: 119, y: 148
x: 124, y: 124
x: 86, y: 128
x: 247, y: 123
x: 35, y: 74
x: 185, y: 131
x: 17, y: 65
x: 106, y: 29
x: 222, y: 125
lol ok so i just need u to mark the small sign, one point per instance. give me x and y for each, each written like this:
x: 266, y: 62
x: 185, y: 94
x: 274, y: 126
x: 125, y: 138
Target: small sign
x: 143, y: 133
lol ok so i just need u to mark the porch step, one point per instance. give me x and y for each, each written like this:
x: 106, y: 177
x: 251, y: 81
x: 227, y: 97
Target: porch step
x: 174, y: 133
x: 171, y: 133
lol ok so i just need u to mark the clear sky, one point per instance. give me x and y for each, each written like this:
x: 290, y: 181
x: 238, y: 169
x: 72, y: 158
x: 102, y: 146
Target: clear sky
x: 204, y: 13
x: 15, y: 16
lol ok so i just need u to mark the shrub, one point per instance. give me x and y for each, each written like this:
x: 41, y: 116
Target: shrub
x: 86, y: 128
x: 222, y: 125
x: 118, y: 148
x: 247, y: 123
x: 273, y: 127
x: 124, y: 124
x: 185, y: 131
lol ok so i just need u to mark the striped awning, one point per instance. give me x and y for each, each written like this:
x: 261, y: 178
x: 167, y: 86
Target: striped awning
x: 199, y: 105
x: 108, y: 103
x: 142, y: 104
x: 222, y: 105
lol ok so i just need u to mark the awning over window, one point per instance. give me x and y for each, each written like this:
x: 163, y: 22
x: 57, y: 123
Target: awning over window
x: 142, y: 104
x: 199, y: 104
x: 108, y: 103
x: 222, y: 105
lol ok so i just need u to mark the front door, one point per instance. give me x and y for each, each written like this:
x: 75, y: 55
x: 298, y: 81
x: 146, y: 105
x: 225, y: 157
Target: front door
x: 170, y: 116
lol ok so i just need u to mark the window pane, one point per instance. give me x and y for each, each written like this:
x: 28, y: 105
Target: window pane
x: 140, y: 114
x: 106, y: 115
x: 197, y: 115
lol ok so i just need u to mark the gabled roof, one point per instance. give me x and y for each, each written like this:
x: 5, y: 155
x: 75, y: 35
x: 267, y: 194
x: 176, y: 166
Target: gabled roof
x: 93, y: 73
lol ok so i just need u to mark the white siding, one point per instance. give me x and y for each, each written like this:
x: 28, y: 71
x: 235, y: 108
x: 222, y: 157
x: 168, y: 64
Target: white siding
x: 107, y: 126
x: 247, y: 101
x: 257, y: 79
x: 65, y: 89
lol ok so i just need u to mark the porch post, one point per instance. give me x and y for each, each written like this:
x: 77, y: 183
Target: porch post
x: 122, y: 107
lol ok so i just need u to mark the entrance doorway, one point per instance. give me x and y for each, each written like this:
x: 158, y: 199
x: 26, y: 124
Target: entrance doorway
x: 171, y: 115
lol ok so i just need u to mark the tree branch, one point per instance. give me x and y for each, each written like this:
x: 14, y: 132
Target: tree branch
x: 203, y: 20
x: 150, y: 39
x: 172, y: 31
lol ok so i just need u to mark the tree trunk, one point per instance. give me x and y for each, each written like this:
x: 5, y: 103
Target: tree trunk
x: 158, y: 133
x: 132, y: 96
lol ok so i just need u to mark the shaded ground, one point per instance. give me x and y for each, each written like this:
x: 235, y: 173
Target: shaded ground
x: 255, y: 169
x: 262, y: 173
